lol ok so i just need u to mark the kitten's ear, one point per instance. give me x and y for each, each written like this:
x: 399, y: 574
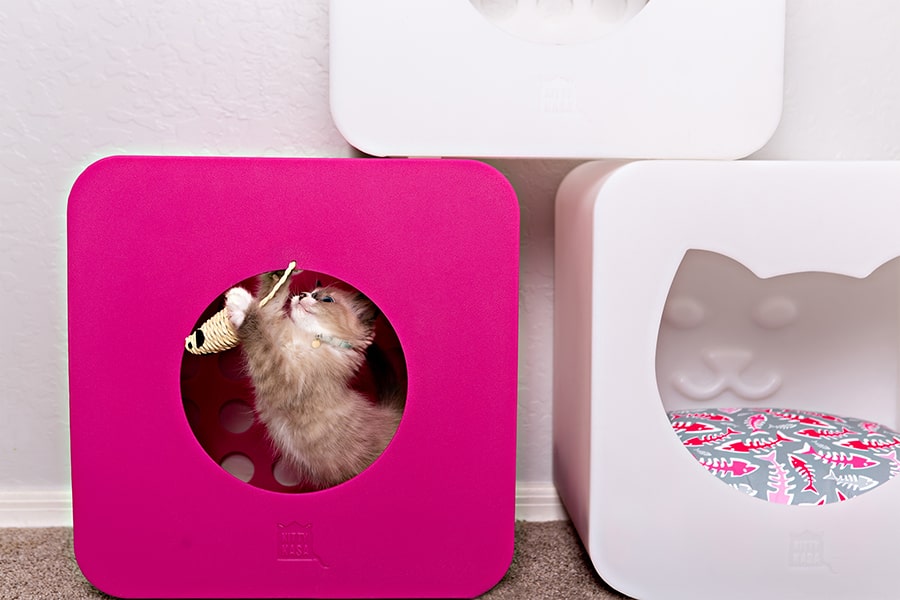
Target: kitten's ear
x: 318, y: 283
x: 365, y: 309
x: 266, y: 281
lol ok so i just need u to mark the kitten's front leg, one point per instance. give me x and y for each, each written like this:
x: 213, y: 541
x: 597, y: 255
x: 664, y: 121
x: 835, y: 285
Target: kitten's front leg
x: 237, y: 303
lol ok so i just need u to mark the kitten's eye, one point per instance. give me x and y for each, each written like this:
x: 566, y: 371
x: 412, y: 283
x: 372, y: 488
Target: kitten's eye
x: 775, y: 312
x: 327, y: 299
x: 684, y: 313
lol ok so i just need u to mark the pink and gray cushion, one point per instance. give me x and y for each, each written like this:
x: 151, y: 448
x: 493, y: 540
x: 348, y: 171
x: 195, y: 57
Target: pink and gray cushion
x: 790, y: 456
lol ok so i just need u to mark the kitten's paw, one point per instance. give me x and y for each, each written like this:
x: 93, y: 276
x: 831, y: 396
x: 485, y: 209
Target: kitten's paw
x: 237, y: 301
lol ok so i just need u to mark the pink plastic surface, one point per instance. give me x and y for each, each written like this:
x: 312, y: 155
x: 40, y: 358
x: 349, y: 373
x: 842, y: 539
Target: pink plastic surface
x: 434, y: 244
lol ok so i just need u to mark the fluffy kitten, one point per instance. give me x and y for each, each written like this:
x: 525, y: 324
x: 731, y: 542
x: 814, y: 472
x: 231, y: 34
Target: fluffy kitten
x: 301, y: 363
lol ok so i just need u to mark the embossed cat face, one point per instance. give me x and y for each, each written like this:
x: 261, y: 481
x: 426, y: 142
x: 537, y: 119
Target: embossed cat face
x: 728, y: 337
x: 335, y: 313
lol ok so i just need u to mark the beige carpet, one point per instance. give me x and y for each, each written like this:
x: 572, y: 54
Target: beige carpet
x: 549, y: 562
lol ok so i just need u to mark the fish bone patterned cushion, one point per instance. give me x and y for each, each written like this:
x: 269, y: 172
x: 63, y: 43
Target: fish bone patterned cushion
x: 790, y: 456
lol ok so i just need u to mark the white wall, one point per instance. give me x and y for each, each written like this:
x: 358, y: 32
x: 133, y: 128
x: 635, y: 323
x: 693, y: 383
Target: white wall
x: 84, y: 79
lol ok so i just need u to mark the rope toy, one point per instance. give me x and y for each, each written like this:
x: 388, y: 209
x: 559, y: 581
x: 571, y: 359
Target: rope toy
x: 217, y: 334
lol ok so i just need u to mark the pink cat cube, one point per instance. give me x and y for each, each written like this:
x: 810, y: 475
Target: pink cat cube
x: 176, y: 491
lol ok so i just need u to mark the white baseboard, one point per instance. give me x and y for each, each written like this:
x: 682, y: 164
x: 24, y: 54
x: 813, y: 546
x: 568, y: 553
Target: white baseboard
x: 538, y: 501
x: 53, y: 508
x: 36, y: 508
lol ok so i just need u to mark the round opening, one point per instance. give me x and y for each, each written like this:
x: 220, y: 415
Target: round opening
x: 559, y: 21
x: 783, y: 388
x: 311, y: 390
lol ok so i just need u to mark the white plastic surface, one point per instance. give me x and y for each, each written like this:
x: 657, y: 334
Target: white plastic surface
x: 671, y: 79
x: 815, y: 341
x: 656, y: 525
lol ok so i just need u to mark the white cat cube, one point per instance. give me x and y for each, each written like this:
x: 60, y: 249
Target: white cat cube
x: 177, y: 489
x: 727, y: 341
x: 568, y: 79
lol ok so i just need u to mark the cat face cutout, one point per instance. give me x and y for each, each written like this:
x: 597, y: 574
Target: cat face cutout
x: 334, y: 314
x: 728, y: 337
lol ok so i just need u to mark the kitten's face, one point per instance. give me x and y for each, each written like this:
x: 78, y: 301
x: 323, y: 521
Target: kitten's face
x: 331, y: 311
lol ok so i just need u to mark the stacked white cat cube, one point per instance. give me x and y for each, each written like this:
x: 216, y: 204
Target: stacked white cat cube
x: 550, y: 79
x: 754, y: 304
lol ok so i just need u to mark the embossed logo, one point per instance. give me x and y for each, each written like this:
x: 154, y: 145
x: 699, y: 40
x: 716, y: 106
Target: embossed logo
x: 807, y: 551
x: 295, y: 543
x: 559, y: 97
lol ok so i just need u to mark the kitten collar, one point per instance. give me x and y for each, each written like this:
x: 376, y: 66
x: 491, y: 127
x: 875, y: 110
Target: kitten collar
x: 331, y: 341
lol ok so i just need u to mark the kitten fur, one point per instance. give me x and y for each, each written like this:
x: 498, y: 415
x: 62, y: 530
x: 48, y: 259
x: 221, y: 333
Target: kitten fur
x: 326, y: 430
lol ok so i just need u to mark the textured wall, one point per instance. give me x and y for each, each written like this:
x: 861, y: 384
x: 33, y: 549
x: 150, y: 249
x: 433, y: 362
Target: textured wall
x: 84, y: 79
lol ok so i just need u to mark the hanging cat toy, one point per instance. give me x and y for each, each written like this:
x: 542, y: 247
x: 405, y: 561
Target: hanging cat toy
x: 217, y: 334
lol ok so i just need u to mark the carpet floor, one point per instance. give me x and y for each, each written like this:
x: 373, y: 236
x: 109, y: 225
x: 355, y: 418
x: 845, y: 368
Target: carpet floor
x: 549, y: 562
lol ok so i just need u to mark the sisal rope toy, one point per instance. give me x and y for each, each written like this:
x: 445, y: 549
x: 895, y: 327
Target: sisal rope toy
x: 217, y: 334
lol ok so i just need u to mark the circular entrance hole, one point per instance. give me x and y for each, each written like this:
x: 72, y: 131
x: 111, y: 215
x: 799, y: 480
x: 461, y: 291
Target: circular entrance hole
x: 229, y: 421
